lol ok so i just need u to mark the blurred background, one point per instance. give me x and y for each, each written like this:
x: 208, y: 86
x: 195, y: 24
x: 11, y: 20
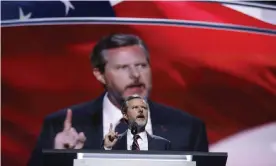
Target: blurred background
x: 213, y: 59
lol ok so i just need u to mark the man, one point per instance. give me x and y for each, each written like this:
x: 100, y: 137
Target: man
x: 121, y: 63
x: 135, y: 113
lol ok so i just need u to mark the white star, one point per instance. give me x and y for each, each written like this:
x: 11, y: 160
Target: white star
x: 68, y: 6
x: 22, y: 16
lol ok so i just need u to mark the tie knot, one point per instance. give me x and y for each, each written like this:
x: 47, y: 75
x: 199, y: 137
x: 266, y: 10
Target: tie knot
x: 136, y: 137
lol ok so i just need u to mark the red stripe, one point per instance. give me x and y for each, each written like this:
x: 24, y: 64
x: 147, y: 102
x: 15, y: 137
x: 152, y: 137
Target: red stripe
x: 195, y: 11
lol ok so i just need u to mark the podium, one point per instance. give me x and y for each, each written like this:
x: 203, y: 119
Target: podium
x: 133, y: 158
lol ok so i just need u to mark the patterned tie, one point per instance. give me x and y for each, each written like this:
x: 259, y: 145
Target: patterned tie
x: 121, y: 127
x: 135, y: 145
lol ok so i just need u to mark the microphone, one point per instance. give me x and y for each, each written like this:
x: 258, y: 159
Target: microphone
x: 111, y: 138
x: 134, y: 128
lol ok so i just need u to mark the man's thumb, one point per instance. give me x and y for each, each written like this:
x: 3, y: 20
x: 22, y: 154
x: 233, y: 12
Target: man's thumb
x: 82, y: 137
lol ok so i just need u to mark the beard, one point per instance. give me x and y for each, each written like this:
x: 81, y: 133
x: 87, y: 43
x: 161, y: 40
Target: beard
x: 141, y: 125
x: 118, y: 98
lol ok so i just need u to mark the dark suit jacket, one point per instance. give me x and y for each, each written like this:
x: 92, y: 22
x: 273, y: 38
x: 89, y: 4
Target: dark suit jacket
x: 155, y: 143
x: 185, y: 132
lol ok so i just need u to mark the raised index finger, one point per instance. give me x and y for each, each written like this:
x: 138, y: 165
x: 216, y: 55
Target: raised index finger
x: 68, y: 120
x: 110, y: 127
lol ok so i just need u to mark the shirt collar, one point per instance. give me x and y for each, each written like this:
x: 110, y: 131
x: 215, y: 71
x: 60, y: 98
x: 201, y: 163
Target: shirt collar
x: 110, y: 109
x: 143, y: 135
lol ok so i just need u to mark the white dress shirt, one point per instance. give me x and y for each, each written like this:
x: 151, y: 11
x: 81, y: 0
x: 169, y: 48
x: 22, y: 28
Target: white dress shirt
x: 142, y: 141
x: 112, y: 114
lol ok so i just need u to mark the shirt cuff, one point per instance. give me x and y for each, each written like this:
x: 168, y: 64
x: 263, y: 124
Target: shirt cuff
x: 107, y: 148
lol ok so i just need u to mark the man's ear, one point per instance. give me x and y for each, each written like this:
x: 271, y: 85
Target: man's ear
x: 99, y: 76
x: 125, y: 116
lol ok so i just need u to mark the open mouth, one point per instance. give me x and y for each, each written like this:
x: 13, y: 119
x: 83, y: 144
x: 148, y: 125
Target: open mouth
x: 136, y: 88
x: 139, y: 85
x: 140, y: 117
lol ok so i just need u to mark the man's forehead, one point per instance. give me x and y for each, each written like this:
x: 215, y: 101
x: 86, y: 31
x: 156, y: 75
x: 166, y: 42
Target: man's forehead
x: 137, y: 102
x: 134, y: 48
x: 125, y: 54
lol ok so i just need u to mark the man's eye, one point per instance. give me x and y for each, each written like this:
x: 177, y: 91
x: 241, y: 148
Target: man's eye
x: 122, y: 67
x: 142, y: 65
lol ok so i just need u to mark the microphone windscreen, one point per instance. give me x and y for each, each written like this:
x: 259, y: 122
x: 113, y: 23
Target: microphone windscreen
x: 134, y: 128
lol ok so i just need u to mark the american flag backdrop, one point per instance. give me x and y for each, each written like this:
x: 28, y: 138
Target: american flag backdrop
x: 215, y: 60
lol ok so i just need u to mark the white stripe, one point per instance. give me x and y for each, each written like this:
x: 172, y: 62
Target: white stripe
x: 115, y: 2
x: 136, y: 21
x: 120, y: 19
x: 242, y: 3
x: 265, y: 15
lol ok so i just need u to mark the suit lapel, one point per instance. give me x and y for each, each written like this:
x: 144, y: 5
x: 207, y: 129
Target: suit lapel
x: 94, y: 129
x: 122, y: 142
x: 150, y: 142
x: 158, y: 120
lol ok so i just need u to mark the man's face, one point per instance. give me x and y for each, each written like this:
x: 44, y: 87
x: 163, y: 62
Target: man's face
x: 127, y: 72
x: 137, y: 111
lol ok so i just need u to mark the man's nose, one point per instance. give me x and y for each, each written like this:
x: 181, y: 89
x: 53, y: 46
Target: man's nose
x: 141, y: 110
x: 134, y: 73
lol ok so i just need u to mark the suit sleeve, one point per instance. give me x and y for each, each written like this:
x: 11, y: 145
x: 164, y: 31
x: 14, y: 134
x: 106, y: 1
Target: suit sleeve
x: 168, y: 145
x: 45, y: 141
x: 201, y: 143
x: 104, y: 148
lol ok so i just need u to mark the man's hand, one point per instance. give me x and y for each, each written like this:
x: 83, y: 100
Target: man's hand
x: 69, y: 138
x: 110, y: 138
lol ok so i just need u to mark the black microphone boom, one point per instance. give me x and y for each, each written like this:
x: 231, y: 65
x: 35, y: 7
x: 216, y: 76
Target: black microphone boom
x: 134, y: 128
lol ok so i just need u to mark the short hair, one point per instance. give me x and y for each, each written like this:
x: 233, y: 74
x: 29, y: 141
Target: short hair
x: 114, y: 41
x: 124, y: 104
